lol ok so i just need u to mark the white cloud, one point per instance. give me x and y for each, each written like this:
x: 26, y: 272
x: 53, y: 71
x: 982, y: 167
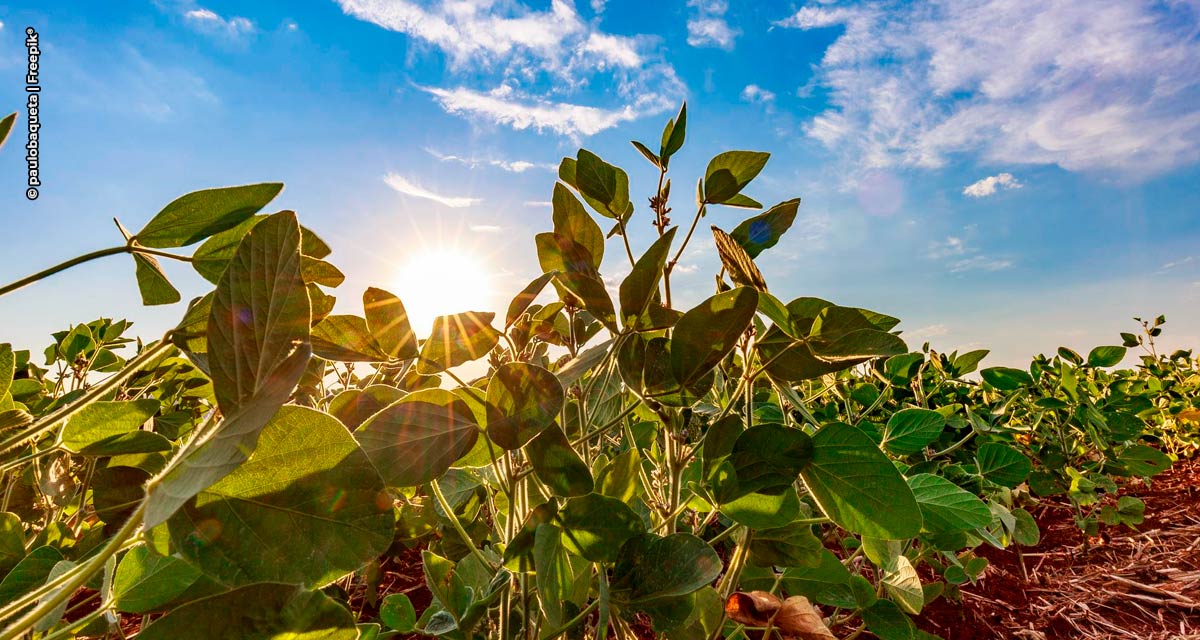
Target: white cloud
x: 959, y: 256
x: 988, y: 186
x: 927, y: 332
x: 1175, y: 264
x: 561, y: 117
x: 757, y: 95
x: 707, y: 27
x: 1105, y: 85
x: 408, y: 187
x: 486, y: 228
x: 515, y: 166
x: 208, y: 21
x: 520, y: 65
x: 538, y: 203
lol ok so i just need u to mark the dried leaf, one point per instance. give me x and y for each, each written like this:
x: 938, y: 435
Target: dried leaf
x: 795, y: 617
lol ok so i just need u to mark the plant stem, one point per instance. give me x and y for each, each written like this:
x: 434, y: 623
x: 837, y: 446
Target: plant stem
x: 454, y: 521
x: 75, y: 578
x: 93, y: 394
x: 46, y: 273
x: 573, y: 622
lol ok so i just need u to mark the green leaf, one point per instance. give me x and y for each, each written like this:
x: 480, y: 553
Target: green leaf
x: 260, y: 313
x: 345, y: 338
x: 709, y: 331
x: 557, y: 465
x: 856, y: 485
x: 762, y: 511
x: 1106, y: 356
x: 316, y: 271
x: 523, y: 399
x: 354, y: 406
x: 640, y: 287
x: 593, y: 295
x: 793, y: 545
x: 153, y: 284
x: 29, y: 574
x: 674, y: 135
x: 417, y: 439
x: 645, y: 151
x: 902, y: 583
x: 1026, y: 533
x: 456, y: 339
x: 388, y: 323
x: 828, y: 582
x: 651, y: 568
x: 728, y: 173
x: 397, y: 613
x: 946, y: 507
x: 1144, y: 461
x: 522, y: 300
x: 764, y: 230
x: 888, y: 622
x: 767, y: 458
x: 257, y: 350
x: 605, y: 186
x: 1006, y: 378
x: 595, y: 526
x: 6, y: 126
x: 743, y: 201
x: 8, y: 367
x: 211, y: 257
x: 101, y: 423
x: 574, y: 370
x: 200, y: 214
x: 145, y: 581
x: 555, y: 572
x: 1002, y: 464
x: 572, y: 221
x: 909, y: 430
x: 12, y: 541
x: 264, y: 611
x: 308, y: 481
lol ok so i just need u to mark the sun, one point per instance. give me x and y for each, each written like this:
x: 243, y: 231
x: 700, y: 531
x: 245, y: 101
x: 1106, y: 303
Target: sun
x: 442, y: 281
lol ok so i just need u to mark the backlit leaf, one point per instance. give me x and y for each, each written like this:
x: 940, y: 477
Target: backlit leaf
x: 153, y: 284
x: 595, y: 526
x: 764, y: 230
x: 308, y: 480
x: 910, y: 430
x: 728, y: 173
x: 456, y: 339
x: 200, y: 214
x: 947, y: 508
x: 557, y: 465
x: 523, y: 399
x: 709, y: 331
x: 416, y: 439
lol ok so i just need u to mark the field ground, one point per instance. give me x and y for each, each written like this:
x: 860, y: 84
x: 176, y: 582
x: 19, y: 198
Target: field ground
x: 1125, y: 584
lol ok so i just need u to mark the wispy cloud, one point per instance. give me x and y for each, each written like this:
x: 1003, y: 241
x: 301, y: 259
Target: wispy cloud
x: 210, y: 22
x: 538, y: 203
x: 755, y: 94
x: 515, y: 166
x: 1175, y: 264
x: 410, y: 188
x: 988, y: 186
x: 525, y: 63
x: 707, y: 26
x: 497, y: 106
x: 959, y: 256
x: 1106, y: 85
x: 927, y: 332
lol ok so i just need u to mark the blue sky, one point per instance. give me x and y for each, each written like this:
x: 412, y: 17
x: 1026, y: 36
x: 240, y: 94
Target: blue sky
x: 999, y: 174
